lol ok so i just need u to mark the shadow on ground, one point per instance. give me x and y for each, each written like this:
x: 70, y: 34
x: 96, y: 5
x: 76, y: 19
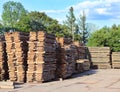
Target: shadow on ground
x: 86, y: 73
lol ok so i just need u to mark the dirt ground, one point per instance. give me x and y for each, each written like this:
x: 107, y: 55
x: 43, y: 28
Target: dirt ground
x: 91, y: 81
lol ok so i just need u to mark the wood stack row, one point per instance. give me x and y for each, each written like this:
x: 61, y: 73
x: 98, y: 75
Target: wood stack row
x: 82, y: 63
x: 116, y: 60
x: 3, y: 60
x: 16, y: 48
x: 41, y: 57
x: 65, y: 58
x: 100, y: 57
x: 81, y: 52
x: 2, y: 72
x: 74, y: 48
x: 81, y: 49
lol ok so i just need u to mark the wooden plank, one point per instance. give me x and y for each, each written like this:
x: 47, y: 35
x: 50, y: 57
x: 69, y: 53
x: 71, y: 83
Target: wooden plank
x: 6, y: 85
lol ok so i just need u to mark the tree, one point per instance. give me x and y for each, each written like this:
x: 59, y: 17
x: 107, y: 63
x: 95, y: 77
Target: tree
x: 39, y: 21
x: 0, y: 25
x: 106, y: 37
x: 83, y: 27
x: 63, y: 32
x: 99, y: 38
x: 32, y: 21
x: 114, y: 39
x: 114, y: 27
x: 1, y: 28
x: 12, y: 13
x: 24, y: 24
x: 70, y: 22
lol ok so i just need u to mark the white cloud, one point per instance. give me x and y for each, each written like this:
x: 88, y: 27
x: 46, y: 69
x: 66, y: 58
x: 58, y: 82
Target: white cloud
x: 96, y: 10
x: 102, y: 11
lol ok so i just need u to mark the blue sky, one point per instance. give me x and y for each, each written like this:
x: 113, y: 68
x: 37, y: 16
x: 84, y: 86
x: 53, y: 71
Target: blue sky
x: 99, y: 12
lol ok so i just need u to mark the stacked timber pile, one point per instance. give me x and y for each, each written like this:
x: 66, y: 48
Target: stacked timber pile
x: 41, y: 57
x: 81, y: 49
x: 2, y: 72
x: 82, y: 52
x: 82, y: 63
x: 3, y: 60
x: 74, y: 48
x: 65, y: 58
x: 116, y: 60
x: 100, y: 57
x: 16, y: 48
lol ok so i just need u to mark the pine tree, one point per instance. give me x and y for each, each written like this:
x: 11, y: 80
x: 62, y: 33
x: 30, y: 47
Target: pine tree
x: 70, y: 22
x: 83, y: 27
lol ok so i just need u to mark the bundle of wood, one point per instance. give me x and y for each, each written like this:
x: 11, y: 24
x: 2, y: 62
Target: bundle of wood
x: 61, y: 41
x: 116, y: 60
x: 41, y: 57
x: 100, y: 57
x: 74, y: 49
x: 6, y: 85
x: 16, y: 48
x: 3, y: 61
x: 81, y: 52
x: 82, y: 65
x: 81, y: 49
x: 65, y: 58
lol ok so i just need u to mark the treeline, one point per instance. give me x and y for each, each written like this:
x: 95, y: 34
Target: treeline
x: 16, y: 18
x: 106, y: 36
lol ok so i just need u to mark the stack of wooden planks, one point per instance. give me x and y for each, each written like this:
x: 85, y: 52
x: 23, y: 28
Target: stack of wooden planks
x: 6, y: 85
x: 81, y: 52
x: 100, y: 57
x: 3, y: 60
x: 74, y: 49
x: 41, y: 57
x: 82, y: 65
x: 116, y: 60
x: 2, y: 71
x: 65, y: 58
x: 16, y: 48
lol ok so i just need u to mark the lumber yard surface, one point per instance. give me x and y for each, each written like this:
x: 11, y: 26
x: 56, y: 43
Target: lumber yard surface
x: 100, y: 80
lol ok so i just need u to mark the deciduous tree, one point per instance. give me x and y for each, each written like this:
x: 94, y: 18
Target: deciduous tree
x: 12, y: 12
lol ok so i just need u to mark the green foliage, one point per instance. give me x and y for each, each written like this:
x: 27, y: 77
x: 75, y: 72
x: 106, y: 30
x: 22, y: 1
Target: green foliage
x: 106, y: 37
x: 83, y: 27
x: 0, y: 25
x: 64, y: 32
x: 98, y: 38
x: 24, y: 24
x: 38, y: 21
x: 70, y: 22
x: 114, y: 40
x: 1, y: 28
x: 12, y: 12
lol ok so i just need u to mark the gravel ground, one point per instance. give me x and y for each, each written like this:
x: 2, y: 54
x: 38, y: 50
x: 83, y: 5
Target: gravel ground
x: 101, y: 80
